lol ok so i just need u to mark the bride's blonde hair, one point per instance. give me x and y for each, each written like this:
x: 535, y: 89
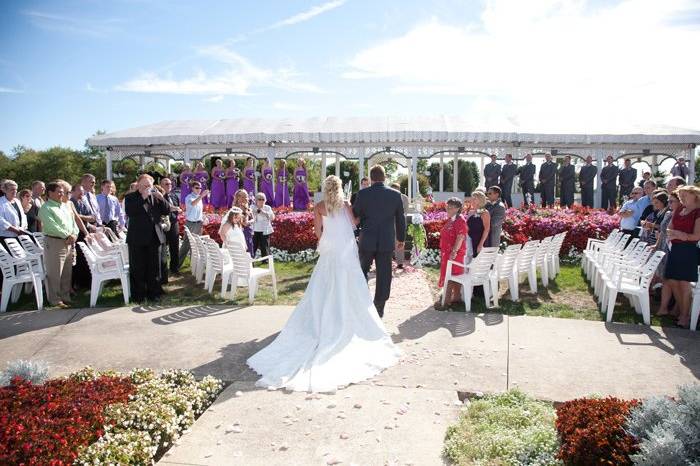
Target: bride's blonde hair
x: 333, y: 194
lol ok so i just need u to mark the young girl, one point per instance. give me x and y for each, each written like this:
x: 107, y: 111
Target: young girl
x: 231, y: 230
x: 242, y: 202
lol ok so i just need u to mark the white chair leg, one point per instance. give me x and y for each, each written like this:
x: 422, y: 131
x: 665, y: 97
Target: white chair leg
x: 487, y: 294
x: 513, y: 285
x: 444, y: 292
x: 94, y: 291
x: 6, y: 292
x: 274, y: 284
x: 16, y: 292
x: 38, y: 292
x: 467, y: 292
x: 494, y: 288
x: 644, y: 304
x: 125, y: 287
x: 532, y: 278
x: 694, y: 313
x: 611, y: 305
x: 225, y: 279
x: 252, y: 288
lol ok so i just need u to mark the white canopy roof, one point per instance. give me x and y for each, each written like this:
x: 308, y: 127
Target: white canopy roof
x: 436, y: 130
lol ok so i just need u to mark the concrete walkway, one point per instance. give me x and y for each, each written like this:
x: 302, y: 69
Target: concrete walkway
x: 402, y: 414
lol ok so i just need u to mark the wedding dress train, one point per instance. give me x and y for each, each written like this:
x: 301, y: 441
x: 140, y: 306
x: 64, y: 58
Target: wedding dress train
x: 334, y: 337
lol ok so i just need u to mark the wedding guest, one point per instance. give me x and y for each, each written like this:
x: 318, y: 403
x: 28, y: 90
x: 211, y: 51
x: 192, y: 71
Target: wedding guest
x: 242, y: 202
x: 233, y: 181
x: 218, y: 185
x: 627, y: 177
x: 508, y: 172
x: 249, y: 176
x: 266, y: 185
x: 108, y: 206
x: 301, y: 188
x: 608, y: 176
x: 400, y: 254
x: 262, y: 225
x: 61, y: 233
x: 144, y: 238
x: 186, y: 177
x: 120, y: 207
x: 88, y: 182
x: 13, y: 221
x: 548, y: 171
x: 646, y: 176
x: 682, y: 264
x: 497, y: 214
x: 364, y: 183
x: 492, y: 172
x: 478, y: 222
x: 675, y: 183
x: 662, y: 244
x: 630, y: 212
x: 172, y: 235
x: 527, y: 180
x: 567, y: 183
x: 452, y: 247
x: 680, y: 169
x: 651, y: 223
x: 194, y: 217
x: 646, y: 201
x: 81, y: 276
x: 231, y: 230
x: 29, y: 209
x: 83, y: 208
x: 586, y: 177
x: 38, y: 191
x: 201, y: 175
x: 282, y: 188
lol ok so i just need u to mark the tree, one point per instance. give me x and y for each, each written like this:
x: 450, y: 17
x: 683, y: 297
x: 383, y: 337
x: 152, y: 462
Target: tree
x: 350, y: 167
x: 468, y: 176
x: 423, y: 184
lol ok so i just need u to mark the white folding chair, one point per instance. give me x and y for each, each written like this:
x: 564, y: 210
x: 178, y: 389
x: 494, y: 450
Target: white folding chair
x: 39, y: 237
x: 218, y: 262
x: 526, y: 265
x: 201, y: 259
x: 541, y: 259
x: 593, y: 244
x: 555, y: 252
x: 477, y: 272
x: 15, y: 273
x: 506, y: 268
x: 695, y: 306
x: 35, y: 261
x: 245, y: 274
x: 105, y: 268
x: 37, y: 265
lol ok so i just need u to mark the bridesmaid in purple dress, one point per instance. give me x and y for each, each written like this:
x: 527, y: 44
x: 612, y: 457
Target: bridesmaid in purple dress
x: 282, y: 189
x: 218, y: 185
x: 201, y: 175
x: 241, y: 201
x: 266, y: 186
x: 249, y: 176
x: 233, y: 176
x: 301, y: 189
x: 185, y: 180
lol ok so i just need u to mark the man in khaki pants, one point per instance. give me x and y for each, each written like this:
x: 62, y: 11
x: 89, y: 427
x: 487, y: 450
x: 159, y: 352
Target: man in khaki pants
x: 60, y: 233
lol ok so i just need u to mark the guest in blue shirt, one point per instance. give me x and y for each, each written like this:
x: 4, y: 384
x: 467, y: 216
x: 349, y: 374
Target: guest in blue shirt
x: 109, y: 207
x: 630, y: 212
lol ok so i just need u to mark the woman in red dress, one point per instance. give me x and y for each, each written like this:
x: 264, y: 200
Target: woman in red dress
x: 453, y: 246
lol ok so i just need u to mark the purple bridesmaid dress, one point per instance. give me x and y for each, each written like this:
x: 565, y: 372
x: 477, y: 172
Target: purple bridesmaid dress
x: 203, y: 178
x: 282, y: 190
x: 301, y: 190
x: 232, y: 184
x: 267, y: 188
x: 185, y: 189
x: 249, y: 181
x: 218, y: 188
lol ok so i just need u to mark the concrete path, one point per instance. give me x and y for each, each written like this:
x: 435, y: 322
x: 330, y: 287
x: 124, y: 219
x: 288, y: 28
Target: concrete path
x: 403, y: 412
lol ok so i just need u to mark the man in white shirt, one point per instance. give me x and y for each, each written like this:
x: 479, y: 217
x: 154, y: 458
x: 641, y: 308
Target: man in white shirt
x: 13, y: 222
x: 88, y: 182
x: 630, y: 212
x: 194, y: 216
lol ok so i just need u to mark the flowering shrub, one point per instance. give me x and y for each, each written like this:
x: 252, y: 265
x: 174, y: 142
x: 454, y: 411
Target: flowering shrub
x: 509, y: 428
x: 293, y: 231
x: 50, y: 423
x: 308, y: 255
x: 31, y: 371
x: 592, y: 431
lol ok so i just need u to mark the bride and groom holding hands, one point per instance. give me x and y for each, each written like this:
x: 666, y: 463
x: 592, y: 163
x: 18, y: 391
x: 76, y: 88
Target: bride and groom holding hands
x: 335, y: 336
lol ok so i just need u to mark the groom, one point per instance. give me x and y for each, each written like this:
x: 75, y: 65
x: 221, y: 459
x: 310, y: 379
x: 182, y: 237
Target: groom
x: 383, y: 230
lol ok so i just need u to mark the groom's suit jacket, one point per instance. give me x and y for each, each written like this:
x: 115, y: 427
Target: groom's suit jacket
x: 382, y: 220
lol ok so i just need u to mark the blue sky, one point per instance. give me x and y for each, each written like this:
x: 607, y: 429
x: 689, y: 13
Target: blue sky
x: 70, y: 68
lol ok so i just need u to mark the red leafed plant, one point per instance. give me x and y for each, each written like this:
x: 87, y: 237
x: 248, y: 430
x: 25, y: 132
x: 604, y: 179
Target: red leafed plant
x: 293, y: 231
x: 48, y: 424
x: 592, y: 431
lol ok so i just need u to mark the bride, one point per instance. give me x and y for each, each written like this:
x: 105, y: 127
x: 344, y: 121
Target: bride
x: 334, y: 337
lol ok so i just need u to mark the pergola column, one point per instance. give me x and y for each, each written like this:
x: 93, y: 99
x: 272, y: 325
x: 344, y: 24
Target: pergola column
x: 442, y: 174
x: 109, y: 165
x: 599, y: 154
x: 416, y: 186
x: 691, y: 165
x: 187, y: 156
x: 337, y: 165
x: 361, y: 170
x: 455, y: 173
x: 482, y: 178
x: 323, y: 166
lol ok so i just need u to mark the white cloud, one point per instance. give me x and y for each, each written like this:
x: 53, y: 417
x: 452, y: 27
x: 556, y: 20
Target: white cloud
x: 93, y: 27
x: 306, y: 15
x: 552, y: 63
x: 238, y: 76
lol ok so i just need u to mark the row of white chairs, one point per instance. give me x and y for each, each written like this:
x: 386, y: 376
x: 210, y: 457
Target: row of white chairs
x: 490, y: 267
x: 230, y: 261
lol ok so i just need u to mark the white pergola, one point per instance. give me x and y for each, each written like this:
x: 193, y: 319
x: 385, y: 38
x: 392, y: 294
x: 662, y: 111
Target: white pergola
x: 375, y: 139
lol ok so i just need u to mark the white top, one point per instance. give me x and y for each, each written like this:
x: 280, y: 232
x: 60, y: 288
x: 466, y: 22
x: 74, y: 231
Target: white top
x: 194, y: 213
x: 9, y: 217
x: 235, y: 235
x: 263, y: 221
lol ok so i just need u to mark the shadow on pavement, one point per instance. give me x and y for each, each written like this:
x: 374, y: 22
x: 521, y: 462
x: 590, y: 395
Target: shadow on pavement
x: 459, y: 324
x: 231, y: 364
x: 18, y: 322
x: 194, y: 312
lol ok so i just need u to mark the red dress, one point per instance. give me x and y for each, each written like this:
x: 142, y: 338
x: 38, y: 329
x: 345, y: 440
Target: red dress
x: 448, y: 238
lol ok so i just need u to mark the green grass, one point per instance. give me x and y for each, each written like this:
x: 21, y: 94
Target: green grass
x: 567, y: 297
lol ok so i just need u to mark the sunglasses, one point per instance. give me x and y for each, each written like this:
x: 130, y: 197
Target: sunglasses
x: 196, y: 187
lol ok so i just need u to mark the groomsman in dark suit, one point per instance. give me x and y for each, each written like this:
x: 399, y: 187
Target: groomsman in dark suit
x: 492, y: 172
x: 527, y: 180
x: 172, y: 236
x: 548, y: 171
x: 585, y: 179
x: 144, y: 237
x: 508, y: 172
x: 627, y: 177
x: 567, y: 180
x: 608, y: 176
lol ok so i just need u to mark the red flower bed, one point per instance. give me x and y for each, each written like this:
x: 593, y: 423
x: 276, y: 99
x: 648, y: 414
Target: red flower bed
x: 48, y: 424
x: 294, y: 231
x: 592, y: 431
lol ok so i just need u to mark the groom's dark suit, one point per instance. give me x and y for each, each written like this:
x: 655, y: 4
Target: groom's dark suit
x: 382, y: 222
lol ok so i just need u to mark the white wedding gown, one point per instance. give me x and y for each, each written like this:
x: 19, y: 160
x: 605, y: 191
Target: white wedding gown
x: 334, y: 337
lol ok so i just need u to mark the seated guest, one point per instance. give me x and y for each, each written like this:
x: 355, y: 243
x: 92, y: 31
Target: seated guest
x: 262, y: 225
x: 108, y: 206
x: 630, y: 212
x: 675, y: 183
x: 13, y: 221
x: 240, y: 200
x: 478, y: 222
x: 650, y: 224
x: 662, y: 245
x: 230, y: 230
x: 497, y: 212
x: 682, y: 264
x: 61, y: 233
x: 453, y: 246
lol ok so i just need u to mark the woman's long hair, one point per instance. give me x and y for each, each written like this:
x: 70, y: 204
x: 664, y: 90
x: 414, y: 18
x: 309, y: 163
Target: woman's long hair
x: 333, y: 194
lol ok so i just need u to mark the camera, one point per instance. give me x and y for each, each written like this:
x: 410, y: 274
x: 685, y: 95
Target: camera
x: 259, y: 211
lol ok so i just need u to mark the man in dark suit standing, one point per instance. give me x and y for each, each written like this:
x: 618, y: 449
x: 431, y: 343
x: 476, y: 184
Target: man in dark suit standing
x: 585, y: 179
x: 627, y: 177
x: 567, y: 180
x: 608, y: 176
x: 527, y: 180
x: 383, y: 230
x: 548, y: 171
x: 508, y: 172
x: 144, y: 208
x: 497, y: 212
x: 492, y: 172
x: 172, y: 236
